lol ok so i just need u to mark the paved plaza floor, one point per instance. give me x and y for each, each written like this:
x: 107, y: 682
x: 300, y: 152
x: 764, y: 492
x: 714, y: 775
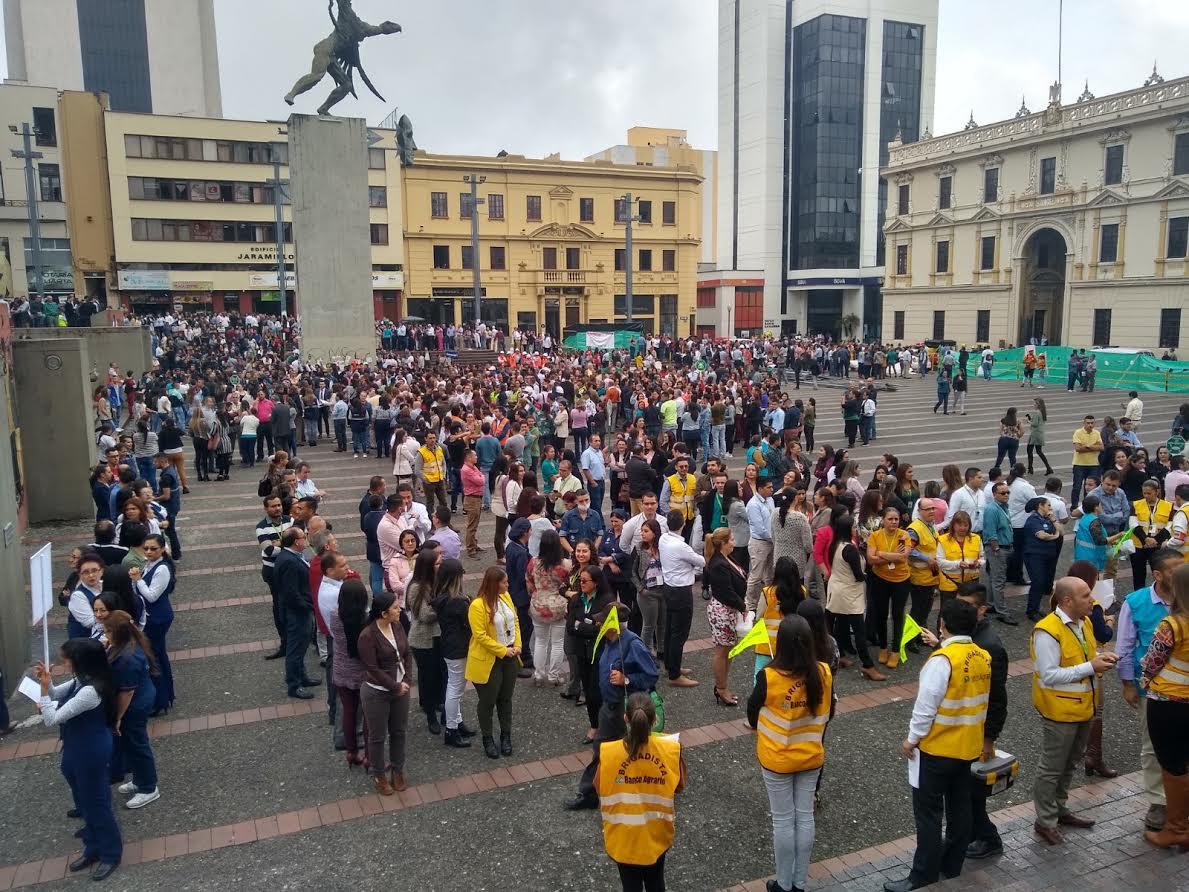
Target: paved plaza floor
x: 253, y: 795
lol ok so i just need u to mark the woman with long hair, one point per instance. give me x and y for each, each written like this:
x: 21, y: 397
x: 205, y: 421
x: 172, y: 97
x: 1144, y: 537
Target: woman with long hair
x: 144, y: 448
x: 1037, y: 421
x: 727, y: 583
x: 887, y: 558
x: 388, y: 665
x: 582, y: 556
x: 776, y: 602
x: 154, y: 584
x: 347, y: 672
x: 825, y: 461
x: 1009, y: 437
x: 135, y: 511
x: 870, y: 517
x: 846, y: 594
x: 650, y: 590
x: 751, y: 476
x: 734, y: 511
x: 84, y: 709
x: 589, y: 598
x: 638, y: 832
x: 359, y: 414
x: 493, y: 658
x: 792, y: 535
x: 451, y: 604
x: 907, y: 487
x: 795, y: 690
x: 132, y: 663
x: 404, y: 563
x: 546, y: 579
x: 960, y: 557
x: 951, y: 476
x: 849, y: 475
x: 425, y: 636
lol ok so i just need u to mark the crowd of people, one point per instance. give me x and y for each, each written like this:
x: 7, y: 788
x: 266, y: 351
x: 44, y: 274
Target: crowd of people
x: 612, y: 498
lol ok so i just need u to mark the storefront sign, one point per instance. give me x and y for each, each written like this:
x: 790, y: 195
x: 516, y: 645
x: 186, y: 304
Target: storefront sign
x: 388, y: 280
x: 54, y: 279
x: 143, y: 280
x: 261, y: 255
x: 839, y: 280
x: 192, y: 286
x: 269, y: 280
x: 458, y: 292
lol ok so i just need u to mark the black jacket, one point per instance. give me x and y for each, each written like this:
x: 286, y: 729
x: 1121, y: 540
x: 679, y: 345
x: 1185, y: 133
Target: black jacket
x: 516, y: 556
x: 641, y: 477
x: 727, y: 586
x: 291, y: 577
x: 988, y: 639
x: 454, y: 624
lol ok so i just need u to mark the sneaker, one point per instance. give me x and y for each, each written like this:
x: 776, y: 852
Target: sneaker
x: 127, y: 788
x: 140, y: 800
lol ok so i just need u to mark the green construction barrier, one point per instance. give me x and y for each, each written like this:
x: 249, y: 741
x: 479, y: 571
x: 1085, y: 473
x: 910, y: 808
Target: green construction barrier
x: 1116, y: 371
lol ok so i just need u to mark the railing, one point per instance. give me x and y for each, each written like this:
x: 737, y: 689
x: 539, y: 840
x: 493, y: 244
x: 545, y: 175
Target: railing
x: 569, y: 276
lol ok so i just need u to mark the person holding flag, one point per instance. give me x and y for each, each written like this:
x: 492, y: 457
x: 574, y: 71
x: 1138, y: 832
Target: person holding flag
x: 623, y: 666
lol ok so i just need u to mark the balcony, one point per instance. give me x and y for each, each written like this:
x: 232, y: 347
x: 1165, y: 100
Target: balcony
x: 563, y: 276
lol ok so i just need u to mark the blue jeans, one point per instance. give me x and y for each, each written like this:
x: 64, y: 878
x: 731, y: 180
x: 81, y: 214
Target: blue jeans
x: 867, y: 427
x: 359, y: 437
x: 247, y: 451
x: 455, y: 487
x: 597, y: 490
x: 486, y: 485
x: 147, y: 470
x: 790, y: 799
x: 179, y: 417
x: 376, y: 577
x: 1080, y: 473
x: 1007, y: 447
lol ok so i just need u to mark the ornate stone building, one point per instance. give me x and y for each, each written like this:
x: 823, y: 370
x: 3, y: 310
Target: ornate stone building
x: 1070, y: 223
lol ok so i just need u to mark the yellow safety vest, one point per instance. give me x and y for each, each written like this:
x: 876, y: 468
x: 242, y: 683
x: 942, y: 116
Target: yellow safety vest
x: 1072, y: 702
x: 920, y: 574
x: 957, y: 730
x: 433, y: 464
x: 1173, y: 679
x: 1184, y: 509
x: 772, y: 617
x: 636, y: 798
x: 1154, y: 520
x: 789, y: 735
x: 683, y: 496
x: 967, y: 551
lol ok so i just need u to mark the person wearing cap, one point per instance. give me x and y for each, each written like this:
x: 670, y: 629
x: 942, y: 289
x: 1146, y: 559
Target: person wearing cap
x: 1040, y: 552
x: 516, y: 563
x: 998, y: 543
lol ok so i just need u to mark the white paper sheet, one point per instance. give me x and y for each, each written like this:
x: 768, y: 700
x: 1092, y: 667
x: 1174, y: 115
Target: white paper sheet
x: 914, y: 770
x: 30, y: 689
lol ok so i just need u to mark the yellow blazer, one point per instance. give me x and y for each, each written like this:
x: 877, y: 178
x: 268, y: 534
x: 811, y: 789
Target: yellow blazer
x: 485, y: 648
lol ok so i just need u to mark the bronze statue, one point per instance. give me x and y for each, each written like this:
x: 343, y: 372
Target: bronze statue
x: 338, y: 56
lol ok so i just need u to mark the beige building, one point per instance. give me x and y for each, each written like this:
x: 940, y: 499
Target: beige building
x: 1070, y: 223
x: 551, y: 250
x: 193, y: 213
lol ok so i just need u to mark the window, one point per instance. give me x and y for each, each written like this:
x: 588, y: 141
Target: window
x: 1108, y: 246
x: 645, y: 260
x: 945, y: 190
x: 707, y: 298
x: 375, y: 159
x: 1048, y: 176
x: 621, y: 210
x: 943, y: 257
x: 45, y: 131
x: 898, y: 324
x: 939, y: 325
x: 1114, y: 165
x: 902, y: 200
x: 991, y: 184
x: 497, y: 257
x: 987, y: 258
x: 468, y: 257
x: 441, y: 257
x: 586, y: 210
x: 495, y: 207
x: 573, y: 258
x: 619, y: 259
x: 439, y: 205
x: 668, y: 317
x: 1178, y: 236
x: 902, y: 260
x: 464, y: 205
x: 379, y: 233
x: 669, y: 213
x: 51, y: 182
x: 982, y: 327
x: 749, y: 309
x: 644, y: 211
x: 1170, y: 327
x: 1180, y: 155
x: 377, y: 196
x: 549, y: 258
x: 642, y: 304
x: 669, y: 260
x: 533, y: 208
x: 1101, y: 336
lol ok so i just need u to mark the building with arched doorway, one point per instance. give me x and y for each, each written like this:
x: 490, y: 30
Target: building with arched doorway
x: 1069, y: 225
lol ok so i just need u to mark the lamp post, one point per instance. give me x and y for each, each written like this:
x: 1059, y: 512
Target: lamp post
x: 475, y: 179
x: 278, y: 186
x: 34, y: 216
x: 629, y: 218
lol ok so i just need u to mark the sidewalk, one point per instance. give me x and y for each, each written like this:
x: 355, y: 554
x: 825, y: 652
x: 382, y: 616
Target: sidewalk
x: 1111, y: 856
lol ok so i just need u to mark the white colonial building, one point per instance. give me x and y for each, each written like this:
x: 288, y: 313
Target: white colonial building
x: 1070, y: 223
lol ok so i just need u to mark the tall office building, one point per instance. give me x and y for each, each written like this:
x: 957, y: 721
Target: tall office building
x: 810, y: 94
x: 154, y: 56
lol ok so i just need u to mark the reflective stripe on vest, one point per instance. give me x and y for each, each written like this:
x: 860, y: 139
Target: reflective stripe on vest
x: 1068, y: 701
x: 966, y: 551
x: 683, y: 496
x: 957, y: 729
x: 636, y: 798
x: 1153, y: 520
x: 789, y: 735
x: 1173, y: 678
x: 772, y: 617
x: 432, y: 464
x: 920, y: 574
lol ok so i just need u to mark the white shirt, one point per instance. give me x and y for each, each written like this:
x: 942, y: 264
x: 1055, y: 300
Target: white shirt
x: 505, y: 624
x: 1060, y: 509
x: 414, y: 518
x: 932, y: 684
x: 151, y: 591
x: 679, y: 562
x: 328, y: 597
x: 1135, y: 409
x: 80, y: 607
x: 1048, y: 655
x: 629, y: 536
x: 307, y: 488
x: 973, y: 502
x: 1020, y: 493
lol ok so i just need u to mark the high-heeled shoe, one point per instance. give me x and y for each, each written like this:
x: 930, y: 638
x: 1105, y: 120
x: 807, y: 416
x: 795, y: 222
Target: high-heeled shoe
x: 353, y: 759
x: 724, y: 701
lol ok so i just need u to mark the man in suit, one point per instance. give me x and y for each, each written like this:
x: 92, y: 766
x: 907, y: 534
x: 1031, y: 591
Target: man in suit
x: 291, y: 577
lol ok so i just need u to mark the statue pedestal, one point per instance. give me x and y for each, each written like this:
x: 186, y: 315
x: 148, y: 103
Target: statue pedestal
x: 332, y: 237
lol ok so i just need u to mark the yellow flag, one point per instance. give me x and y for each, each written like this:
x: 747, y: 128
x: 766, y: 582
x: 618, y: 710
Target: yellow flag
x: 911, y: 630
x: 611, y: 622
x: 757, y: 635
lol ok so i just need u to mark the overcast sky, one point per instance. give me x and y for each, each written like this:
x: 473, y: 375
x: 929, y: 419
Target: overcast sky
x: 532, y: 77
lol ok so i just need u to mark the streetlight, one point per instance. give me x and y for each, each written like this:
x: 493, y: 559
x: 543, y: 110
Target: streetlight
x: 629, y: 217
x: 475, y: 179
x: 278, y: 186
x: 31, y: 202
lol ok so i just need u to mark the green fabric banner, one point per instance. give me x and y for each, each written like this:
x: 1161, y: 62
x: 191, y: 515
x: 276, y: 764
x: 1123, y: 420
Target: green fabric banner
x: 1116, y: 371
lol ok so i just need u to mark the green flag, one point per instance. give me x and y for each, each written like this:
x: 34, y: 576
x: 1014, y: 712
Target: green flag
x: 611, y: 622
x: 1115, y: 548
x: 757, y: 635
x: 911, y: 630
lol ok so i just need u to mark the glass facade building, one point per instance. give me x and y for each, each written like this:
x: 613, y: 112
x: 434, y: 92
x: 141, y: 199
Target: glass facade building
x: 899, y: 101
x: 825, y: 136
x: 113, y: 36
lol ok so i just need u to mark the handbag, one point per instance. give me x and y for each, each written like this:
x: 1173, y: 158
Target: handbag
x: 658, y: 705
x: 744, y: 622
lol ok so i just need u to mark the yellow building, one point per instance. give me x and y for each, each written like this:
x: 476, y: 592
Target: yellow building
x: 551, y: 241
x: 192, y: 214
